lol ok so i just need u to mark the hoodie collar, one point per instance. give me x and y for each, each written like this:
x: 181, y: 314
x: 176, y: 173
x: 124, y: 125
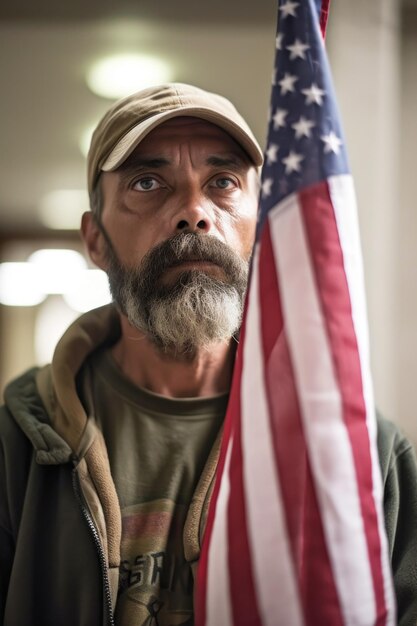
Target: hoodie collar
x: 57, y: 384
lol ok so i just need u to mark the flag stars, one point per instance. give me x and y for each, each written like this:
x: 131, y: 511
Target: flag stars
x: 298, y: 50
x: 314, y: 95
x: 279, y: 118
x: 292, y: 162
x: 267, y: 186
x: 303, y: 127
x: 287, y: 83
x: 331, y: 142
x: 289, y: 8
x: 271, y: 154
x: 278, y: 41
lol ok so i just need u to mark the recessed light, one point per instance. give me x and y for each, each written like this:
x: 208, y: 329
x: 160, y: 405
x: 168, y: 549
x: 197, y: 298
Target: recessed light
x: 58, y: 269
x: 19, y: 285
x: 121, y: 75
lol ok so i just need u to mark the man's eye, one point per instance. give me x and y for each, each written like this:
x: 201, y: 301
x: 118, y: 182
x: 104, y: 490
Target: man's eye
x: 224, y: 182
x: 146, y: 184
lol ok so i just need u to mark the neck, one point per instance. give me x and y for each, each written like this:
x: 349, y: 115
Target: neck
x: 207, y: 373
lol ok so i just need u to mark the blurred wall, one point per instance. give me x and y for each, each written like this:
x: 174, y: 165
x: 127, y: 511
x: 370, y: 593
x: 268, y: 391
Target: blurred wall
x: 406, y: 206
x: 17, y: 340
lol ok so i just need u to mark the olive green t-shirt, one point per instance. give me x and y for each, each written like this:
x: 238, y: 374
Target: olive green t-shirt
x: 157, y: 449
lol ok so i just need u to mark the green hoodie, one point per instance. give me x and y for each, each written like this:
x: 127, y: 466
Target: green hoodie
x: 60, y: 522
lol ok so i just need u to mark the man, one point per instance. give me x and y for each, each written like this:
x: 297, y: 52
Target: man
x: 108, y: 456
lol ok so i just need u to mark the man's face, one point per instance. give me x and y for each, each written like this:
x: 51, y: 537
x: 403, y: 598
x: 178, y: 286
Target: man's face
x: 180, y: 215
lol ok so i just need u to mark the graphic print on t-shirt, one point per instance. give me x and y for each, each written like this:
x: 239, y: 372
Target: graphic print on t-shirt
x: 156, y: 583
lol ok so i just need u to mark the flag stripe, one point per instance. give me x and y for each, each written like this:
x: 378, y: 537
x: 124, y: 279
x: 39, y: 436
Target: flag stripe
x: 332, y: 289
x: 343, y: 199
x: 242, y: 586
x: 219, y: 610
x: 285, y: 423
x: 324, y: 14
x: 322, y: 414
x: 203, y: 589
x: 316, y: 585
x: 222, y: 512
x: 266, y: 524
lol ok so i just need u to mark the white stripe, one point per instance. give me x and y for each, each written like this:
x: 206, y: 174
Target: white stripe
x: 274, y: 576
x: 321, y: 408
x: 343, y: 198
x: 218, y: 609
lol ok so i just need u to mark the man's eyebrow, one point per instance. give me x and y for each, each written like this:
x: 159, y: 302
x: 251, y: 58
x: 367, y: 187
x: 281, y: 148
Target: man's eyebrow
x: 232, y: 160
x: 137, y: 163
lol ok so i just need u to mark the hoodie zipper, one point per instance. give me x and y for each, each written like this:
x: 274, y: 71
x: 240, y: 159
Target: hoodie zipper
x: 93, y: 530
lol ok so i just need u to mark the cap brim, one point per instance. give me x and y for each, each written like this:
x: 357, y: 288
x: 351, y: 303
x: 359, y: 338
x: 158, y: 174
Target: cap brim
x: 135, y: 135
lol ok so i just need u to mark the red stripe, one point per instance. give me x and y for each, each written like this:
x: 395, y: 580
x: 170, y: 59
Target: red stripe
x: 242, y: 589
x: 324, y: 14
x: 200, y: 592
x: 286, y: 428
x: 316, y: 584
x: 327, y: 258
x: 200, y: 610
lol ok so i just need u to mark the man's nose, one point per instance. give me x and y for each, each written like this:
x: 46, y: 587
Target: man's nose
x: 193, y: 214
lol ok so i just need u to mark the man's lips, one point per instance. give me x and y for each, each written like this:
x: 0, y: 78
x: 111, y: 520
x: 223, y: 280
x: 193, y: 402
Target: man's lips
x: 201, y: 265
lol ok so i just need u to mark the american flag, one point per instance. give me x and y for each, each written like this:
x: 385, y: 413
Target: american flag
x: 295, y: 529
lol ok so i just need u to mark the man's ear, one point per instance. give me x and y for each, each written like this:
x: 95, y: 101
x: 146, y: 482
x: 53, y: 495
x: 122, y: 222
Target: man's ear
x: 93, y: 239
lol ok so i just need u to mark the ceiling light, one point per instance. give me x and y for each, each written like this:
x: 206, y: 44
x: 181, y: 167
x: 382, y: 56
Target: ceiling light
x: 58, y: 270
x: 19, y: 285
x: 91, y: 291
x: 122, y: 75
x: 62, y: 209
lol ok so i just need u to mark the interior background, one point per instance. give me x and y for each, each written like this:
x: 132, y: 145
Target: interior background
x: 45, y: 49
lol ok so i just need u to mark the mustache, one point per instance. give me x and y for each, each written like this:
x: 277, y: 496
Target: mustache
x: 190, y: 247
x: 144, y: 280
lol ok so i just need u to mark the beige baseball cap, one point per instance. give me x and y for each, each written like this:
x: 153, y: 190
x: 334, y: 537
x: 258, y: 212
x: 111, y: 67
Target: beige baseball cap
x: 129, y: 121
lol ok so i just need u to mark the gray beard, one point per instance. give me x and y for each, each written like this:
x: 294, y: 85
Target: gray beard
x: 196, y: 309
